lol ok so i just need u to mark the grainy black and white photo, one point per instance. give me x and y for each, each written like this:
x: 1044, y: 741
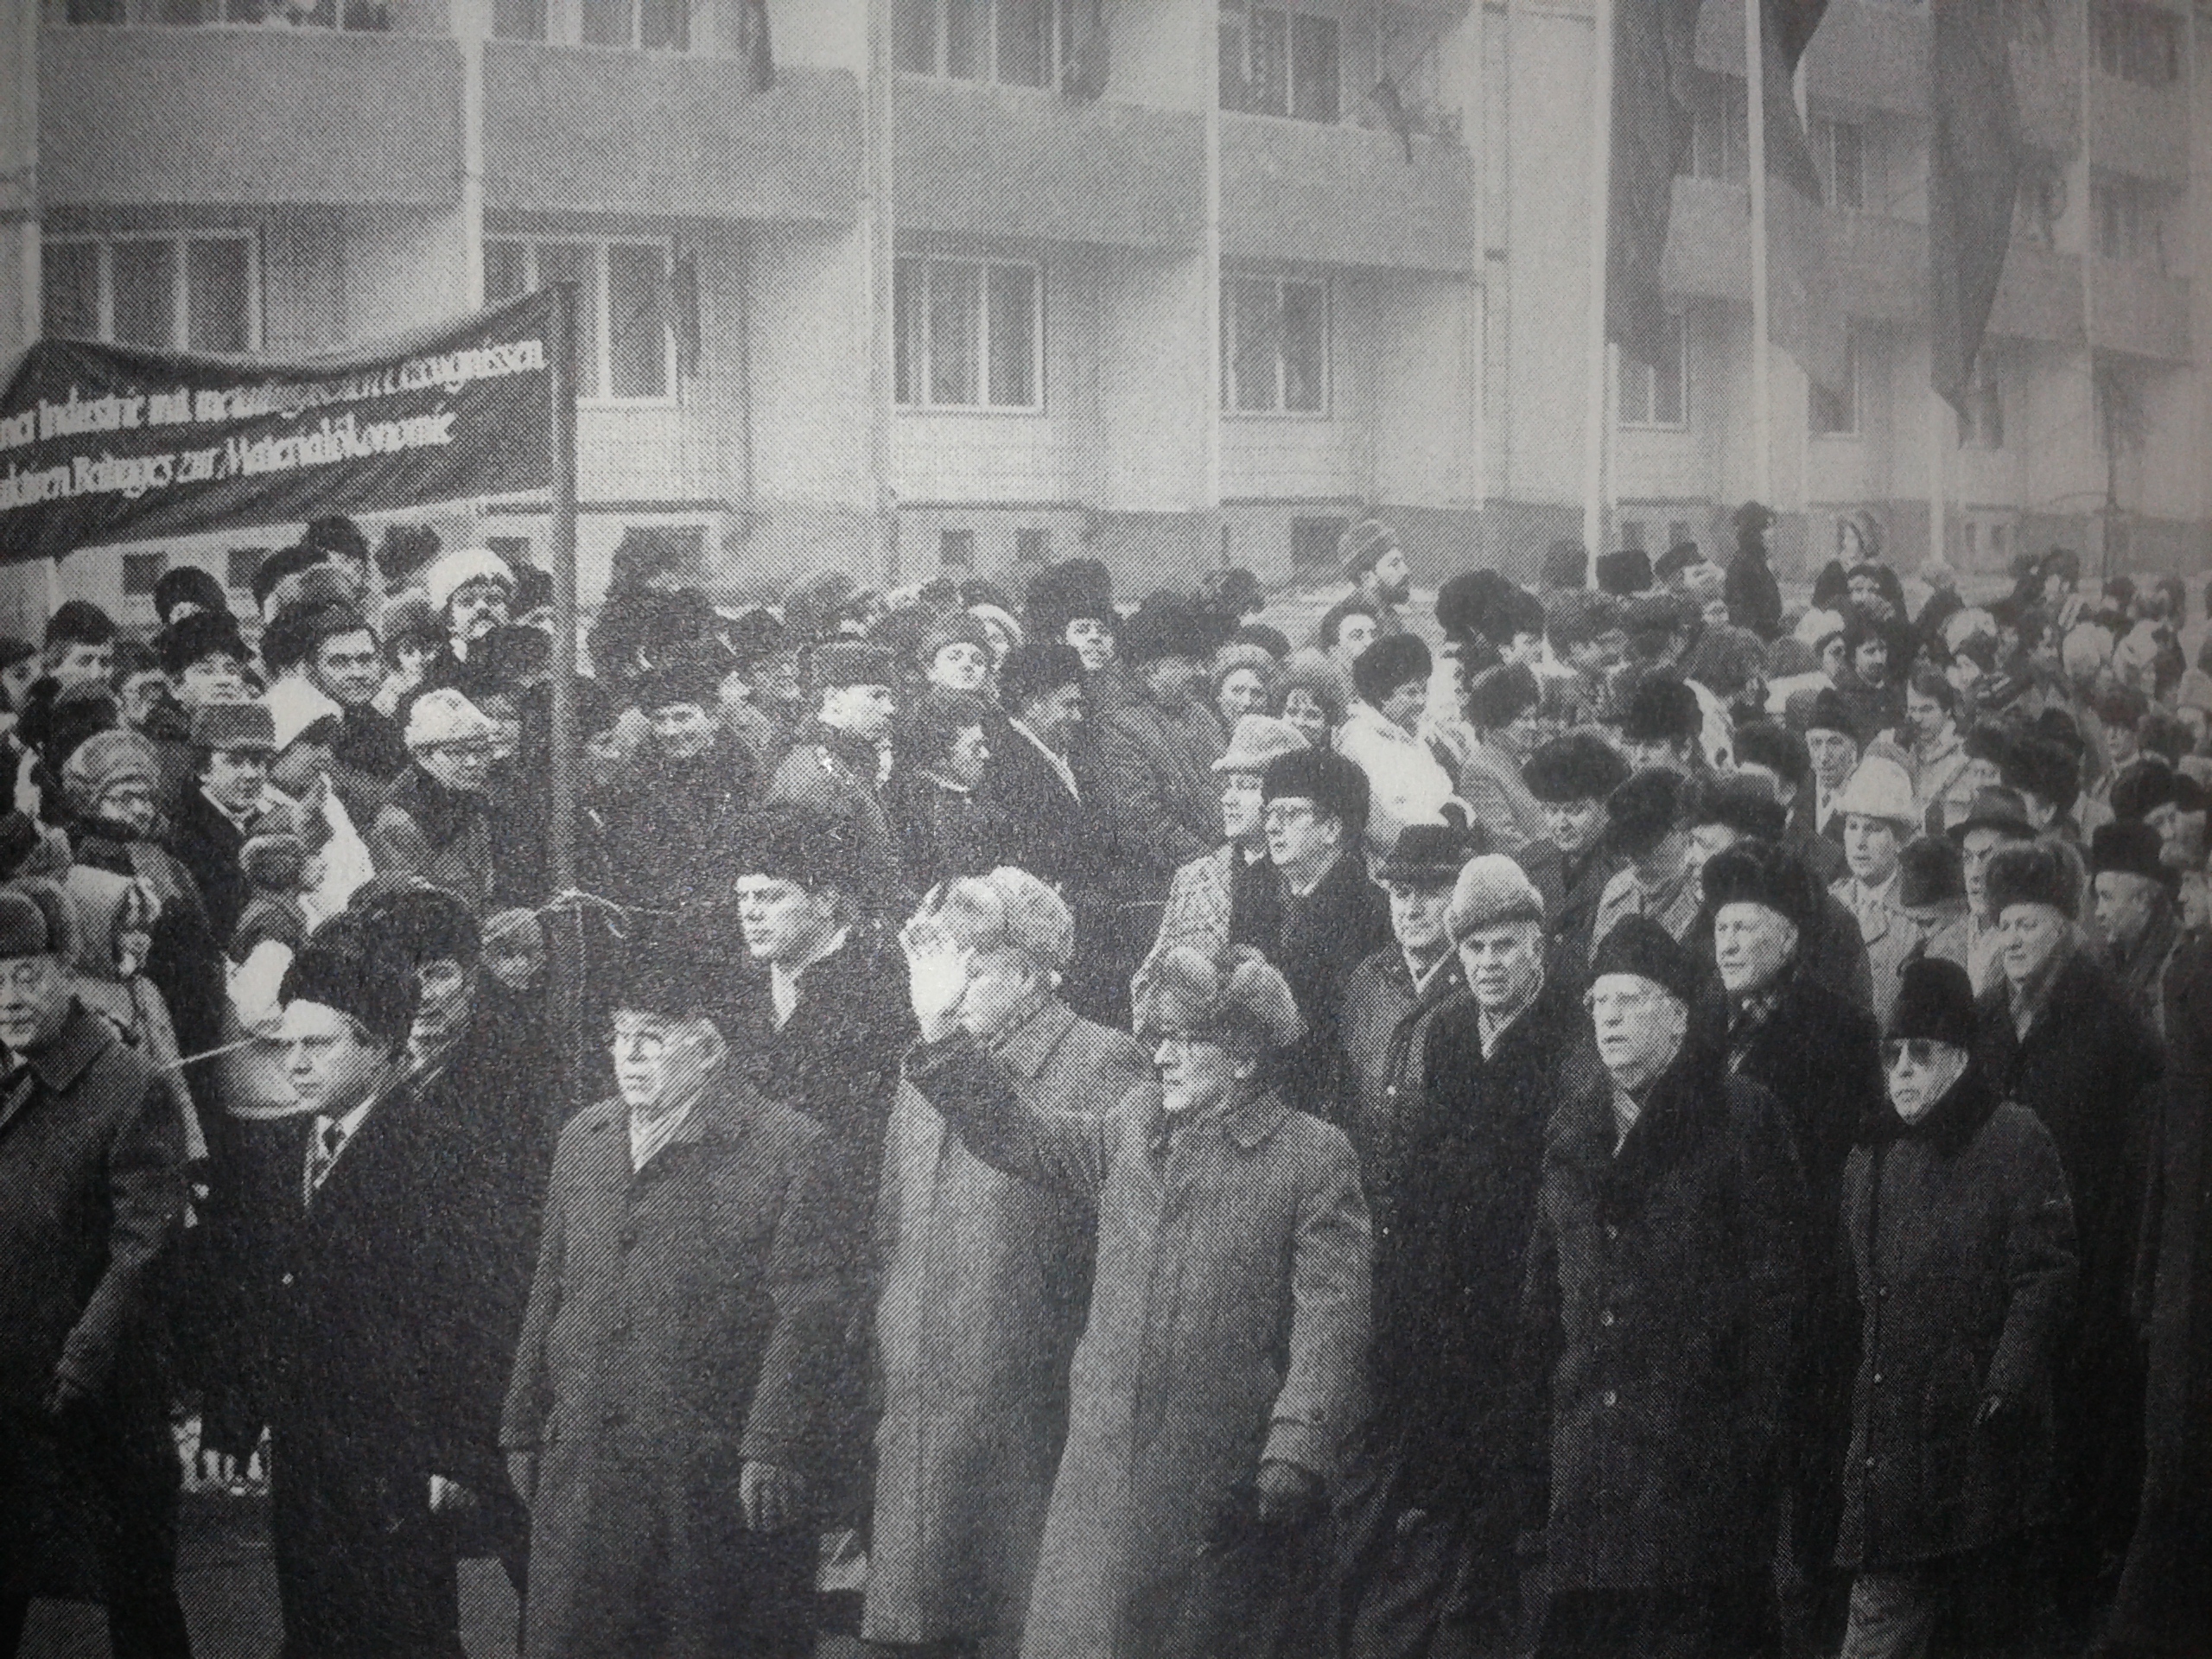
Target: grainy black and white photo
x: 1105, y: 829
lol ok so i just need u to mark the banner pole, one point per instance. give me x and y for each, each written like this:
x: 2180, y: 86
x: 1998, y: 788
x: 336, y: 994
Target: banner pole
x: 1762, y: 372
x: 561, y: 847
x: 1596, y: 402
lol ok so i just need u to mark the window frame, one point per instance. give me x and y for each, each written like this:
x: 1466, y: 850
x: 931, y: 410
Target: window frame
x: 927, y: 262
x: 597, y: 332
x: 2141, y: 44
x: 1060, y: 45
x: 1231, y: 276
x: 104, y: 243
x: 1827, y: 150
x: 1648, y: 376
x: 1234, y: 16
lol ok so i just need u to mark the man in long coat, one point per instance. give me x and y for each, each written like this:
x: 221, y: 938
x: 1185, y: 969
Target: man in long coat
x: 984, y: 1283
x: 666, y: 1421
x: 1572, y: 778
x: 91, y: 1166
x: 1664, y: 1288
x: 833, y: 765
x: 1228, y: 1325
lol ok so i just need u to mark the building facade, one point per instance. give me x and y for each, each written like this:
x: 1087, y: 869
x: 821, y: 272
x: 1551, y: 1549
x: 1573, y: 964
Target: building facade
x: 894, y: 283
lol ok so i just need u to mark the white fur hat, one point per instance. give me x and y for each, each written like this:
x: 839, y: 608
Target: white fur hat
x: 445, y: 716
x: 464, y: 564
x: 294, y: 705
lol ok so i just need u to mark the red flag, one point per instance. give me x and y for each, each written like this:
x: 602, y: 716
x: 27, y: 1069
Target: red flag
x: 1805, y: 318
x: 1973, y: 171
x: 1654, y: 57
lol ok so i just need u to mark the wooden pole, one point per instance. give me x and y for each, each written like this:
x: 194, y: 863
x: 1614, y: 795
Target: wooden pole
x: 1761, y: 363
x: 561, y: 832
x: 1594, y: 436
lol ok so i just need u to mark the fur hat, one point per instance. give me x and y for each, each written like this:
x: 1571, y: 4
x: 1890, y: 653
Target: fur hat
x: 1580, y: 767
x: 1640, y: 946
x: 103, y: 761
x: 1626, y: 572
x: 672, y: 972
x: 2031, y: 873
x: 1238, y: 998
x: 2045, y: 767
x: 1934, y: 1004
x: 226, y: 725
x: 1170, y: 624
x: 1432, y: 853
x: 2141, y: 790
x: 1498, y: 696
x: 1036, y: 668
x: 1008, y: 907
x: 1930, y: 872
x: 445, y: 716
x: 952, y: 628
x: 1475, y: 601
x: 1337, y: 788
x: 449, y: 572
x: 420, y: 921
x: 1764, y: 873
x: 1662, y: 709
x: 806, y: 845
x: 297, y: 705
x: 1258, y: 740
x: 1645, y: 810
x: 1237, y: 655
x: 692, y: 677
x: 1744, y: 804
x: 188, y: 584
x: 1362, y: 547
x: 37, y: 919
x: 274, y: 861
x: 347, y: 965
x: 1393, y: 660
x: 1060, y: 593
x: 192, y: 638
x: 1491, y: 890
x: 2131, y: 849
x: 1827, y: 711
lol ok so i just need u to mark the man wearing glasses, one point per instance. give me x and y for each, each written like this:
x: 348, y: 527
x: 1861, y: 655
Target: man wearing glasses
x: 666, y: 1422
x: 436, y: 822
x: 1665, y: 1279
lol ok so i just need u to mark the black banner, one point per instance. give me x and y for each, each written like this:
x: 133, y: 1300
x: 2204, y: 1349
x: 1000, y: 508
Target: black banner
x: 100, y: 444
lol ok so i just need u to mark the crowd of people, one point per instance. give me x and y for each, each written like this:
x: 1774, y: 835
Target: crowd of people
x: 1626, y: 1119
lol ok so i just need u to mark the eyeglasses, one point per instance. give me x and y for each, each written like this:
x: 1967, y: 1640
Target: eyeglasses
x: 1919, y: 1050
x: 1600, y: 1002
x: 472, y: 750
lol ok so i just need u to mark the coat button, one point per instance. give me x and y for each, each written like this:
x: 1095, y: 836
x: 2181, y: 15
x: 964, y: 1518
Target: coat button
x: 288, y: 1277
x: 1606, y: 1318
x: 1611, y: 1398
x: 1612, y: 1232
x: 1878, y: 1377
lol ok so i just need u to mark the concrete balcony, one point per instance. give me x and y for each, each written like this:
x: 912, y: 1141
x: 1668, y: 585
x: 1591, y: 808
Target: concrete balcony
x: 1867, y: 55
x: 189, y: 117
x: 2142, y: 131
x: 1341, y: 195
x: 2139, y: 311
x: 2038, y: 296
x: 1007, y: 161
x: 589, y: 130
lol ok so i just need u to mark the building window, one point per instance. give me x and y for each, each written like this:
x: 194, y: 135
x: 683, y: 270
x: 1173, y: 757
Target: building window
x: 1012, y: 42
x: 1629, y: 534
x: 970, y: 334
x: 626, y: 348
x: 1840, y: 156
x: 240, y: 565
x: 141, y: 571
x: 373, y: 15
x: 1032, y: 544
x: 2135, y: 42
x: 2130, y: 218
x: 1274, y: 346
x: 1720, y: 143
x: 1835, y: 414
x: 1657, y: 394
x: 197, y: 292
x: 1313, y: 545
x: 664, y: 25
x: 1276, y: 61
x: 1982, y: 425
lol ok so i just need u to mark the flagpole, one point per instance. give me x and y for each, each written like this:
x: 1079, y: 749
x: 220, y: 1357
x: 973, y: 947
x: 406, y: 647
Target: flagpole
x: 1939, y: 412
x: 1594, y: 436
x: 1762, y: 387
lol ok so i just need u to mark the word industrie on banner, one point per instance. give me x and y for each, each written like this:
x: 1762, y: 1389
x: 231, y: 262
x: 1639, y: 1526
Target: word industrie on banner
x: 102, y: 443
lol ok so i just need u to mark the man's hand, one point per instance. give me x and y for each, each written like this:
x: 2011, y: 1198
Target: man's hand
x: 1288, y: 1493
x: 449, y: 1496
x: 522, y: 1475
x: 774, y: 1497
x: 937, y: 977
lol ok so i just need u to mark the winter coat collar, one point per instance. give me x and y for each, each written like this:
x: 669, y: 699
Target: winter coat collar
x: 83, y: 1038
x: 1246, y: 1119
x: 1949, y: 1126
x: 442, y: 813
x: 1686, y: 1106
x: 1027, y: 1046
x: 857, y: 752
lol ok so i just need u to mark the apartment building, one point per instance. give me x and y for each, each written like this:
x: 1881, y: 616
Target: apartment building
x: 1169, y: 283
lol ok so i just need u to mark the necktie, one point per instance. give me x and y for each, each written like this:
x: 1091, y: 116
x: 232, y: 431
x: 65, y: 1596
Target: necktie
x: 330, y: 1140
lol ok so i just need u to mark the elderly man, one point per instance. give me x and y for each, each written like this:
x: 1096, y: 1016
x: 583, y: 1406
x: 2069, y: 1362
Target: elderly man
x: 1659, y: 878
x: 436, y: 821
x: 1666, y: 1280
x: 982, y: 1298
x: 1814, y: 1052
x: 1995, y: 821
x: 1451, y: 1465
x: 2137, y: 909
x: 1572, y: 778
x: 1236, y: 879
x: 91, y: 1162
x: 1878, y: 815
x: 1241, y: 1396
x: 1313, y: 808
x: 2057, y: 1036
x: 1390, y: 1000
x: 232, y: 746
x: 835, y: 766
x: 668, y: 1419
x: 1832, y: 739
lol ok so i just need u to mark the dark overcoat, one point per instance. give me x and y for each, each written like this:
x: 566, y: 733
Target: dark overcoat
x: 1664, y: 1285
x: 92, y: 1195
x: 1324, y: 936
x: 985, y: 1280
x: 1158, y: 796
x: 1382, y: 1031
x: 684, y: 1320
x: 1229, y: 1324
x: 667, y: 827
x: 1961, y: 1248
x: 836, y: 773
x: 442, y: 835
x: 1571, y: 890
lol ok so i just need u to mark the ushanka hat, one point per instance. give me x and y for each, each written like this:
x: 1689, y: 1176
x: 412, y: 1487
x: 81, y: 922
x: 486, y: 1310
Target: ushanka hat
x: 2031, y: 873
x: 1763, y: 872
x: 1337, y: 788
x: 1172, y: 624
x: 1640, y: 946
x: 1662, y: 709
x: 227, y: 727
x: 1644, y: 809
x: 1580, y: 767
x: 1626, y: 572
x: 37, y: 919
x: 692, y: 677
x: 348, y: 965
x: 1237, y: 997
x: 1931, y: 871
x: 420, y: 921
x: 808, y: 846
x: 1491, y: 890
